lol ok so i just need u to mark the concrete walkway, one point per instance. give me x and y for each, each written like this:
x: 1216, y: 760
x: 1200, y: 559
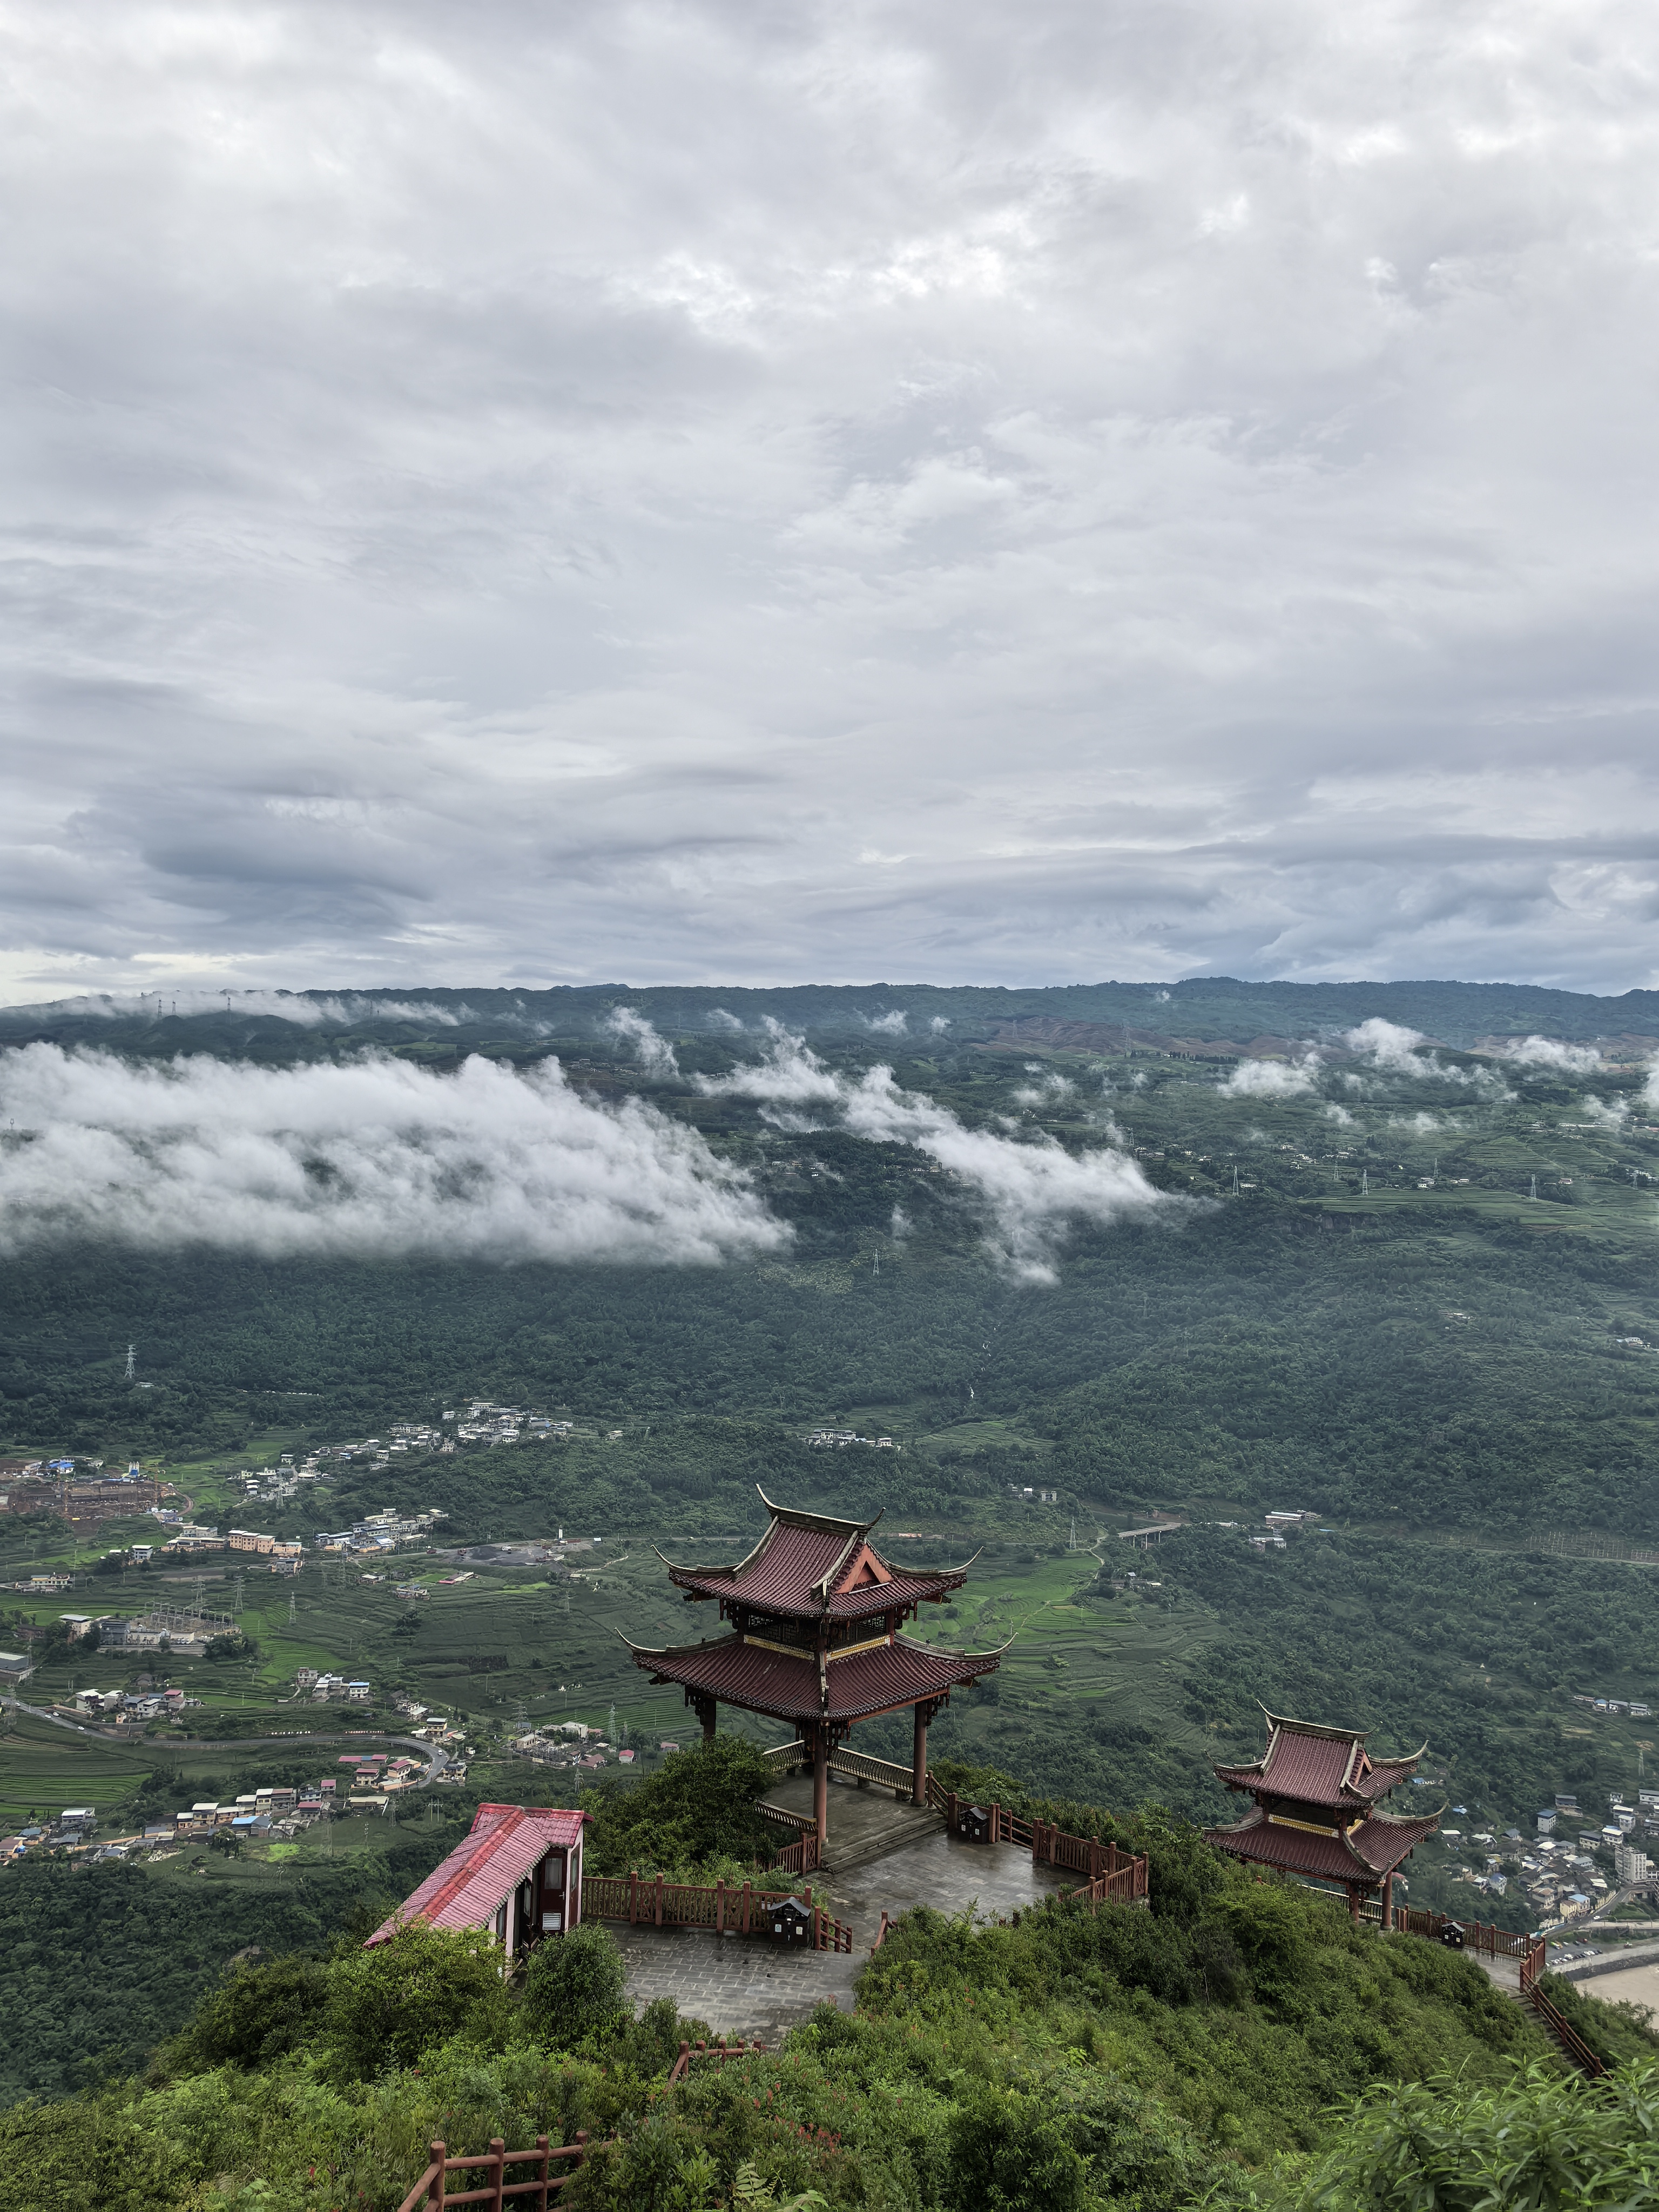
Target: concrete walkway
x: 896, y: 1858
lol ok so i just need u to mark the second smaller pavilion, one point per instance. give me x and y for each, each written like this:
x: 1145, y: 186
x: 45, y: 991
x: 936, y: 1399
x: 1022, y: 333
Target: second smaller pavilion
x: 815, y: 1615
x: 1318, y: 1814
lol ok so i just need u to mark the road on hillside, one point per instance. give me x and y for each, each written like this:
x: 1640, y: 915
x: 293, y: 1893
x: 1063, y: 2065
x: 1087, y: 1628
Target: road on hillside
x: 437, y: 1758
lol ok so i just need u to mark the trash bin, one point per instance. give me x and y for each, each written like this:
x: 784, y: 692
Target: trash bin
x: 975, y: 1824
x: 1453, y: 1937
x: 789, y: 1920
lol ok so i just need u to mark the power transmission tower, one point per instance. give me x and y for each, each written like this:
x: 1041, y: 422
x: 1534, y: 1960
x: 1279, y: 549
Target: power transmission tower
x: 237, y: 1595
x: 611, y: 1730
x: 132, y: 1354
x: 290, y: 1608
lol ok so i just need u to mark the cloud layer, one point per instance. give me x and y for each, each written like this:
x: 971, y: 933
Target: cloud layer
x: 373, y: 1159
x: 1032, y: 1190
x: 673, y: 489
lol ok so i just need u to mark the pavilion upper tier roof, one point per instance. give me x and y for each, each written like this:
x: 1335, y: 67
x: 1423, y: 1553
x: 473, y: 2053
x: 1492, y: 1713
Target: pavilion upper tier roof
x: 809, y: 1566
x: 1361, y: 1854
x: 794, y: 1686
x: 1317, y: 1765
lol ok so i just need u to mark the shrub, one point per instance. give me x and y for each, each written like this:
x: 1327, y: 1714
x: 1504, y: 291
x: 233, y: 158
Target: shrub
x: 258, y: 2014
x: 699, y: 1806
x: 1539, y: 2142
x: 421, y: 1987
x: 574, y: 1987
x: 1011, y: 2153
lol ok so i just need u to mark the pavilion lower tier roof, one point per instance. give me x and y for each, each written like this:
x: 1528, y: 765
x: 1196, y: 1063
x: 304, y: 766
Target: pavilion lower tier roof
x: 1365, y: 1853
x: 787, y: 1687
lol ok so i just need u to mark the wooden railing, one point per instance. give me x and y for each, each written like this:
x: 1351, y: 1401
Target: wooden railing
x: 784, y: 1816
x: 1115, y: 1876
x: 862, y: 1768
x: 1489, y: 1942
x: 542, y: 2188
x: 881, y: 1934
x: 1573, y: 2043
x: 804, y: 1858
x: 729, y: 1909
x: 720, y: 2053
x: 785, y: 1758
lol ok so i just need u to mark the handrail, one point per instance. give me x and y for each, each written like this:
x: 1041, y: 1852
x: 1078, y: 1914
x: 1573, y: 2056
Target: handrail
x: 726, y: 1909
x: 1534, y: 1965
x: 784, y: 1817
x: 805, y: 1857
x: 863, y: 1768
x: 428, y: 2190
x: 718, y: 2051
x: 1114, y: 1875
x: 1490, y: 1941
x: 881, y: 1934
x: 786, y: 1756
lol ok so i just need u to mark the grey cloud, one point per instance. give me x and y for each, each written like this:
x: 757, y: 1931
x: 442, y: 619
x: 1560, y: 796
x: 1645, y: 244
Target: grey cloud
x: 686, y: 491
x: 1030, y: 1192
x: 375, y: 1158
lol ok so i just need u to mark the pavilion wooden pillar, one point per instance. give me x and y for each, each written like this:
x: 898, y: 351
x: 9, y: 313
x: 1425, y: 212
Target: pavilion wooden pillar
x: 918, y: 1755
x: 706, y: 1709
x: 1353, y: 1903
x: 1388, y: 1901
x: 821, y: 1782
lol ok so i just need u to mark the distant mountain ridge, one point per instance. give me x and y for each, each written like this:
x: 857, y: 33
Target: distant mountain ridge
x: 1220, y: 1010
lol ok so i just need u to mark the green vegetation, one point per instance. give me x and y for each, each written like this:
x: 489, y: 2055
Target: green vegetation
x: 1536, y: 2141
x: 1359, y: 1308
x: 694, y: 1818
x: 1199, y: 2052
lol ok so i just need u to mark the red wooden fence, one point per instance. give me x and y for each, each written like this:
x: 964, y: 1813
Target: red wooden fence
x: 542, y: 2189
x: 720, y: 2053
x: 649, y: 1901
x: 1490, y: 1942
x: 1115, y: 1876
x: 1566, y: 2034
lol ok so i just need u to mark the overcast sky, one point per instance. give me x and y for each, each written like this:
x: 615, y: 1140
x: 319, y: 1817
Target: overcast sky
x: 528, y: 493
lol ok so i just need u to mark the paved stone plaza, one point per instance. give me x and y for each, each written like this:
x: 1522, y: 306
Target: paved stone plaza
x: 745, y: 1986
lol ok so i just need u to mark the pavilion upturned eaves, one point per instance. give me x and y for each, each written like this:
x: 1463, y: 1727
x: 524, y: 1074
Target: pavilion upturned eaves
x: 816, y: 1642
x: 1317, y: 1793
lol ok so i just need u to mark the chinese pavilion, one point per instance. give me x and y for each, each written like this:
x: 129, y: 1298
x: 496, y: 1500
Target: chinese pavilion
x: 1317, y: 1792
x: 816, y: 1617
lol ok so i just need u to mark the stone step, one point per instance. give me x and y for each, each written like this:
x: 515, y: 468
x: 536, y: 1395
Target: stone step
x: 876, y: 1843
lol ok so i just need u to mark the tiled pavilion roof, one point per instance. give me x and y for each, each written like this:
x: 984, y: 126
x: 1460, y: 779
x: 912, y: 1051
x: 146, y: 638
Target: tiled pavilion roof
x: 790, y: 1686
x: 1365, y: 1853
x: 811, y: 1566
x: 1318, y: 1765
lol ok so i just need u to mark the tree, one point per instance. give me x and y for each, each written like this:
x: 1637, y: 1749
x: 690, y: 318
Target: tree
x: 388, y: 2004
x: 259, y: 2013
x: 700, y: 1806
x: 573, y: 1986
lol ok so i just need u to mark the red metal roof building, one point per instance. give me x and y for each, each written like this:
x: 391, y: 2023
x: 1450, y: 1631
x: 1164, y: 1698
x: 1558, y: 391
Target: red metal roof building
x: 519, y: 1874
x: 815, y: 1615
x: 1316, y: 1794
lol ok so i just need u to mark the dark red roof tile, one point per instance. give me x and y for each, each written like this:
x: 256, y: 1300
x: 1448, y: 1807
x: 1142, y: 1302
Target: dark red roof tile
x: 1317, y: 1766
x: 787, y: 1687
x: 1364, y: 1854
x: 808, y: 1564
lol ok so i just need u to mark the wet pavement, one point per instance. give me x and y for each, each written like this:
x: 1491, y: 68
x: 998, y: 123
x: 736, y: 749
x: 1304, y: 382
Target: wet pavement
x: 752, y: 1987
